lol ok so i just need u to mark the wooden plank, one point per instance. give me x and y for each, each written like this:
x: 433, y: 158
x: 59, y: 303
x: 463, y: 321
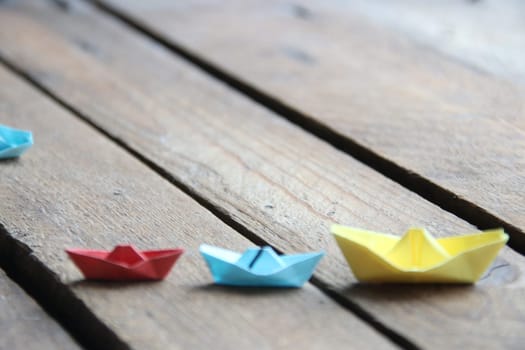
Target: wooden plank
x: 426, y: 115
x: 76, y: 188
x: 486, y: 34
x: 243, y: 160
x: 24, y: 325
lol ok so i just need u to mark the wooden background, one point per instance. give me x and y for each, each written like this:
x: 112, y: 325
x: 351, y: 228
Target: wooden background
x: 175, y: 123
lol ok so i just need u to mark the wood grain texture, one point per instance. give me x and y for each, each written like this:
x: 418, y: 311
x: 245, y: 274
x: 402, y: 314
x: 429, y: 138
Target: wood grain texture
x: 75, y: 188
x: 263, y: 172
x: 24, y: 325
x: 460, y: 129
x: 486, y: 34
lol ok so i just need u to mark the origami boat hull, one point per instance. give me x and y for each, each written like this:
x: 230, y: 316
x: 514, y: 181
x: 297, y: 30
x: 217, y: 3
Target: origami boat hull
x: 461, y: 259
x: 147, y: 265
x: 227, y: 269
x: 14, y: 142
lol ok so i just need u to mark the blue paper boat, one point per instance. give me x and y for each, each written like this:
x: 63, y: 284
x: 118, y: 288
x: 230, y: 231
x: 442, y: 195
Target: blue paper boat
x: 259, y: 267
x: 14, y: 142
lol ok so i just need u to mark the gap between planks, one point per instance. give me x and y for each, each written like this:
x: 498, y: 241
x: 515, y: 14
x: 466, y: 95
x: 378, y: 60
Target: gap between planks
x: 21, y: 313
x: 54, y: 297
x: 442, y: 197
x: 60, y: 310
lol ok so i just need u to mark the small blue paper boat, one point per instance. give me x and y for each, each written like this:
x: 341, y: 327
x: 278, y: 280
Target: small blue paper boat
x: 259, y: 267
x: 14, y: 142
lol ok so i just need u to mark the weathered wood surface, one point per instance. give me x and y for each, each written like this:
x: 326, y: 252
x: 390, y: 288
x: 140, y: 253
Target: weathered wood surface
x: 24, y: 325
x: 487, y: 34
x: 245, y: 162
x: 460, y: 129
x: 77, y: 189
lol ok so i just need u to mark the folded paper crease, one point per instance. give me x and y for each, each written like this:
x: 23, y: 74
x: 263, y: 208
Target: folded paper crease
x: 14, y: 142
x: 417, y: 256
x: 259, y: 267
x: 124, y: 262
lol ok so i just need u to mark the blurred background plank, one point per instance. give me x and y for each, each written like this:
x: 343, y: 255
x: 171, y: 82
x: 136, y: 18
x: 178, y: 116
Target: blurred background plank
x: 488, y: 34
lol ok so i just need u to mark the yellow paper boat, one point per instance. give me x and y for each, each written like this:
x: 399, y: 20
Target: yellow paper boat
x: 417, y: 257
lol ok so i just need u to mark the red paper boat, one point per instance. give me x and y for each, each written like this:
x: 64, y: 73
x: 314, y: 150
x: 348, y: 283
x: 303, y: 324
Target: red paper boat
x: 125, y: 262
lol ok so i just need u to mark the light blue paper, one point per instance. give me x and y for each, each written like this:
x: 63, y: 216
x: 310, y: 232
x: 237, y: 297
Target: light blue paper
x: 259, y: 267
x: 14, y: 142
